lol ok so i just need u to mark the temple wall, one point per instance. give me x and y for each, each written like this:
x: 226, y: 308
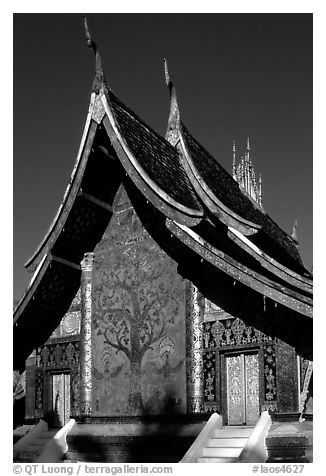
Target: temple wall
x: 138, y: 327
x: 158, y: 345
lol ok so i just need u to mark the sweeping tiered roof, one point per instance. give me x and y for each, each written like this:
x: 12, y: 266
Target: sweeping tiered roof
x: 201, y: 204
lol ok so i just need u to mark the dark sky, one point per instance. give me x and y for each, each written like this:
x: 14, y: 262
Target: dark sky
x: 236, y: 75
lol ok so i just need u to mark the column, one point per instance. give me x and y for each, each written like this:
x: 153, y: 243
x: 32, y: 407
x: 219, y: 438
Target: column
x: 85, y: 355
x: 194, y: 351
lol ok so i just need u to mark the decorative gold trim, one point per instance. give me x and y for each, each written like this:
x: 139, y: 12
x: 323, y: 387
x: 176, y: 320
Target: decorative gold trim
x: 194, y: 345
x: 85, y: 359
x: 98, y: 111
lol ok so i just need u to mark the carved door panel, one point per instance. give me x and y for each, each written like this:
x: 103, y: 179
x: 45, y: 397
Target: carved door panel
x: 60, y: 399
x: 242, y: 373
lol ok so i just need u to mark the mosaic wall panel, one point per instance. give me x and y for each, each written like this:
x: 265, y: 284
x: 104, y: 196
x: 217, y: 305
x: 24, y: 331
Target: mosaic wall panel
x: 214, y: 312
x: 138, y: 337
x: 69, y: 325
x: 232, y: 332
x: 270, y: 376
x: 287, y: 382
x: 304, y: 365
x: 306, y: 386
x: 74, y: 391
x: 64, y: 354
x: 209, y: 376
x: 30, y: 392
x: 39, y: 393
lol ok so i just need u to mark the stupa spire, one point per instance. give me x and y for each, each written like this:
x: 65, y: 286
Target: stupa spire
x: 244, y: 174
x: 234, y: 166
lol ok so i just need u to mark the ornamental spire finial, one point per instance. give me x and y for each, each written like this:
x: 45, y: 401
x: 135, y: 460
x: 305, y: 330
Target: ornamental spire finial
x: 99, y: 73
x: 172, y: 133
x: 294, y: 234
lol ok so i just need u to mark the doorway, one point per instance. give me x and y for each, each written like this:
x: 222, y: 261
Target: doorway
x: 242, y: 376
x: 59, y: 399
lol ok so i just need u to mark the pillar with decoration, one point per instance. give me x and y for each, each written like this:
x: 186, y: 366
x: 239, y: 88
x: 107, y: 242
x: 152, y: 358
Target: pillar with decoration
x: 194, y: 352
x: 85, y: 360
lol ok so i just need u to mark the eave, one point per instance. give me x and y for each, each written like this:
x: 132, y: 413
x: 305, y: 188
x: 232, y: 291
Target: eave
x: 47, y: 298
x: 260, y: 229
x: 71, y: 193
x: 268, y: 288
x: 288, y: 275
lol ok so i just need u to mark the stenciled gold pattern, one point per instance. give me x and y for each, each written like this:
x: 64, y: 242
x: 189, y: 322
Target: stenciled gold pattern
x: 61, y: 398
x: 86, y: 335
x: 242, y: 389
x: 62, y: 354
x: 235, y: 402
x: 195, y: 365
x: 252, y: 388
x: 98, y: 110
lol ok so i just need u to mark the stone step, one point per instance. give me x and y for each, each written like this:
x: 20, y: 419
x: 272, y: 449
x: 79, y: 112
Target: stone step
x: 28, y: 455
x: 48, y: 434
x: 217, y: 460
x: 232, y: 432
x: 221, y: 452
x: 227, y: 442
x: 42, y: 440
x: 35, y: 448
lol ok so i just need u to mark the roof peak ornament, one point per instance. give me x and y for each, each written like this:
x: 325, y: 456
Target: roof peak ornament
x: 234, y: 167
x: 244, y: 174
x: 99, y: 79
x: 294, y: 234
x: 172, y: 132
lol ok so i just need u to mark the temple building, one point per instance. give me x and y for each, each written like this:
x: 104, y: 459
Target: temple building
x: 162, y: 289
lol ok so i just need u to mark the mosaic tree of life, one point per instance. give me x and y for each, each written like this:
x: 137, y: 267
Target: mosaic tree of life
x: 138, y: 300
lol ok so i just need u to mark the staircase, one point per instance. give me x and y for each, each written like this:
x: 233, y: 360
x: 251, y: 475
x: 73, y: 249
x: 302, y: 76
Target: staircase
x: 229, y: 444
x: 32, y: 451
x: 225, y: 445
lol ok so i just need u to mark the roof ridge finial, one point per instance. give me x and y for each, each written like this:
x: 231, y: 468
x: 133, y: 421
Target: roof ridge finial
x: 294, y: 234
x: 99, y: 73
x: 172, y: 133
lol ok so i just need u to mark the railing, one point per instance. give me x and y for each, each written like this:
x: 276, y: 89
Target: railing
x: 254, y: 450
x: 56, y: 447
x: 196, y: 449
x: 27, y: 439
